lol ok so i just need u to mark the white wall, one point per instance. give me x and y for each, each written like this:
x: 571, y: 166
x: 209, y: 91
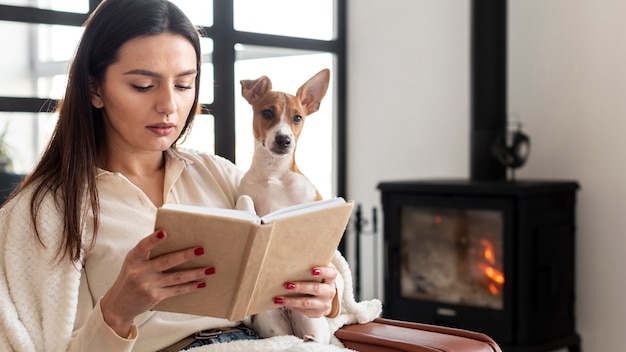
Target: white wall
x: 568, y: 81
x: 408, y: 98
x: 408, y: 117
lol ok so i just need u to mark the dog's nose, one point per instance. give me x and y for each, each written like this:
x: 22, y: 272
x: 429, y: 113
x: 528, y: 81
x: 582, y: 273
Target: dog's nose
x: 283, y: 140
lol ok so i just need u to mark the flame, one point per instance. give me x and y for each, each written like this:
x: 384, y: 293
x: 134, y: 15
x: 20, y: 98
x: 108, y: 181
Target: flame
x: 488, y: 252
x: 495, y: 277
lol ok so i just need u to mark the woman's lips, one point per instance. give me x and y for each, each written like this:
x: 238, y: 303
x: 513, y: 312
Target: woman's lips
x: 162, y: 129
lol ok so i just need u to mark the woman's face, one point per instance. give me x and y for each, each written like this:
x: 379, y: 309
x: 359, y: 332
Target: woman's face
x: 146, y: 96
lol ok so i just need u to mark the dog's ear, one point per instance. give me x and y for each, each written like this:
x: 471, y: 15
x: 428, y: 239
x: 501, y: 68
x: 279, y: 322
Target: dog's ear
x: 252, y: 90
x: 312, y: 92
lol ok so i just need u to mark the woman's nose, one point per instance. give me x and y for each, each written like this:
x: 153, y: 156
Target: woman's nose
x: 166, y: 103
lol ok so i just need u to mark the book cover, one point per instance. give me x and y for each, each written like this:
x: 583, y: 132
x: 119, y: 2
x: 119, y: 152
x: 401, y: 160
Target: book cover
x: 253, y: 256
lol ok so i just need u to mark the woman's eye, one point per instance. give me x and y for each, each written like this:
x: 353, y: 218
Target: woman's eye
x: 141, y: 88
x: 182, y: 87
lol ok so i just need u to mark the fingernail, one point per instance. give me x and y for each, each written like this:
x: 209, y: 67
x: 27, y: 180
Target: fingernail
x: 316, y: 272
x: 290, y: 286
x: 202, y: 285
x: 160, y: 234
x: 209, y: 271
x: 278, y: 300
x: 199, y: 251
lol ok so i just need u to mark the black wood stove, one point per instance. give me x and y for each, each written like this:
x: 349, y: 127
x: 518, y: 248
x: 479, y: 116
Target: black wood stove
x: 491, y: 256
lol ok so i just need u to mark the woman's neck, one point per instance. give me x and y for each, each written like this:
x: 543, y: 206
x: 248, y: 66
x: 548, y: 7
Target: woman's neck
x: 134, y: 165
x: 145, y: 172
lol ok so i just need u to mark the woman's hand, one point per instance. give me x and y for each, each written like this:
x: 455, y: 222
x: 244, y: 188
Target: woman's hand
x: 143, y: 282
x: 312, y: 298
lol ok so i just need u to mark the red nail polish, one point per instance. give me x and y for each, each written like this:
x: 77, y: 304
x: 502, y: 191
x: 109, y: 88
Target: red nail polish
x: 202, y: 285
x: 160, y: 234
x: 209, y: 271
x: 199, y: 251
x: 290, y: 286
x: 316, y: 272
x: 279, y: 300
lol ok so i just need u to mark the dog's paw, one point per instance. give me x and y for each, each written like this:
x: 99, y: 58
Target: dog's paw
x: 245, y: 202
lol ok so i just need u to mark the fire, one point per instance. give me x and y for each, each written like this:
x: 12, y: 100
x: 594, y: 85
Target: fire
x: 495, y: 277
x: 488, y: 252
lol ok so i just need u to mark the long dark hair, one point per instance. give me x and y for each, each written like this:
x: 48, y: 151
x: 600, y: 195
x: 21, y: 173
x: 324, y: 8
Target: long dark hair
x: 68, y: 166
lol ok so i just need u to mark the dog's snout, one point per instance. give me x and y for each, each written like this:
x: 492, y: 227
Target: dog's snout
x: 283, y: 140
x: 283, y: 144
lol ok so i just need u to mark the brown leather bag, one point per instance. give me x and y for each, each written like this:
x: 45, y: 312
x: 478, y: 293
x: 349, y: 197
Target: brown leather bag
x: 386, y: 335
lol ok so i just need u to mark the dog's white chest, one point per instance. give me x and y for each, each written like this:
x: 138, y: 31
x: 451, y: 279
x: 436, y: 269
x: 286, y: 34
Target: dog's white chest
x: 274, y: 193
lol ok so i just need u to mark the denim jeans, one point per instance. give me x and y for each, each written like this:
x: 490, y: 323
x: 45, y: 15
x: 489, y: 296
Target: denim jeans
x: 208, y: 337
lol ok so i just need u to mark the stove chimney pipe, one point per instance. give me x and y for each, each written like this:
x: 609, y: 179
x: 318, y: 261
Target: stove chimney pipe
x: 488, y: 87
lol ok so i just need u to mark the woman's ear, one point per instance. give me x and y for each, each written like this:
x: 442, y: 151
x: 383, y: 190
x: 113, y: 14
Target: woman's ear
x: 94, y: 92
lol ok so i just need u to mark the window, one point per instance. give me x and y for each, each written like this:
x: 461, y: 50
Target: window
x: 239, y: 43
x: 316, y: 24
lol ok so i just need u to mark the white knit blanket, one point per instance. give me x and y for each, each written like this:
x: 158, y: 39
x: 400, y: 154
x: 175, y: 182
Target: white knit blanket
x: 272, y: 344
x: 352, y: 313
x: 38, y: 298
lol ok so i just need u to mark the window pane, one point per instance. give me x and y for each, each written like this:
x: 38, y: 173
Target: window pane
x: 52, y: 87
x: 207, y: 75
x: 56, y: 43
x: 202, y: 136
x: 288, y: 70
x: 26, y: 137
x: 16, y: 70
x: 39, y: 58
x: 199, y: 12
x: 294, y: 18
x: 77, y: 6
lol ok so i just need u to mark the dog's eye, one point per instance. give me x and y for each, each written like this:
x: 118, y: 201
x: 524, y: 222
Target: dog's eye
x: 297, y: 119
x: 267, y: 114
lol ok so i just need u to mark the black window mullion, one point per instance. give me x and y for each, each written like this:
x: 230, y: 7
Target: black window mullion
x: 34, y: 105
x: 285, y: 42
x: 40, y: 16
x: 93, y: 4
x: 340, y: 104
x: 223, y: 108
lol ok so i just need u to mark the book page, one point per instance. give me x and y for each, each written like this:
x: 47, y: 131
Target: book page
x: 302, y: 208
x: 225, y: 212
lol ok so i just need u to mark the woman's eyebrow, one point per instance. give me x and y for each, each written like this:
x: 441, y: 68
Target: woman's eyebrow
x: 149, y: 73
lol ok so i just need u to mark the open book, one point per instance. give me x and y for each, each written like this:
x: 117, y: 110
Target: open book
x: 253, y: 257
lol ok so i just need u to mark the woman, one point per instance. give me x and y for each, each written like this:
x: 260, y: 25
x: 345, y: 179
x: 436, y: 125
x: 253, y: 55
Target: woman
x: 76, y: 269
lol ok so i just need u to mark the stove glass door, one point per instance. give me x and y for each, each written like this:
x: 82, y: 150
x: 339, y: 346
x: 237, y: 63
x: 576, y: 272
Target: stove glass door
x: 452, y: 255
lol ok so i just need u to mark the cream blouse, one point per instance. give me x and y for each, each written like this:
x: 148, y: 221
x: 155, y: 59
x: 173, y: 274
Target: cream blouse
x: 126, y: 216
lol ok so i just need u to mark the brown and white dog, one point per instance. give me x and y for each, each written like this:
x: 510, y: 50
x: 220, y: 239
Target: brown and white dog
x: 274, y: 181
